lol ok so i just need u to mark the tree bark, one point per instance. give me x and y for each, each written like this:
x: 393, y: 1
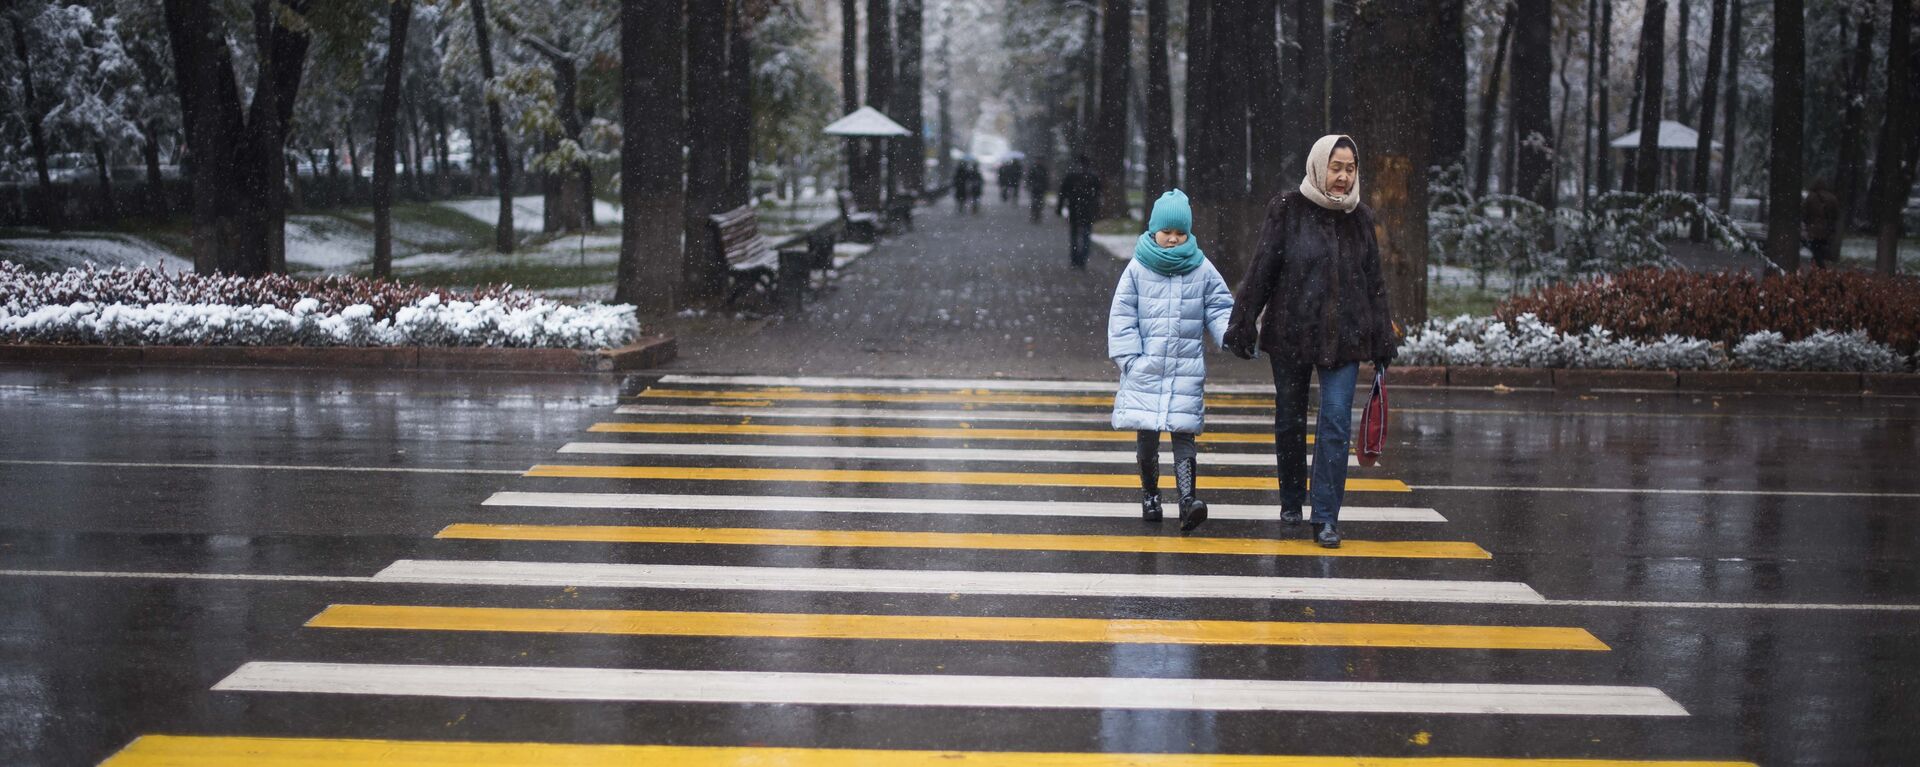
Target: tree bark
x: 51, y: 216
x: 1393, y: 116
x: 651, y: 100
x: 1893, y: 168
x: 1709, y: 93
x: 1304, y: 67
x: 1682, y: 55
x: 1199, y: 51
x: 1586, y: 135
x: 906, y: 97
x: 1490, y: 105
x: 1646, y: 159
x: 1533, y: 100
x: 1449, y: 84
x: 879, y: 96
x: 236, y: 170
x: 104, y: 177
x: 1731, y: 141
x: 1853, y: 147
x: 399, y: 15
x: 1110, y: 126
x: 703, y: 273
x: 156, y: 183
x: 944, y: 96
x: 850, y: 89
x: 1603, y: 165
x: 1267, y: 117
x: 1785, y: 166
x: 739, y: 125
x: 1159, y: 123
x: 1340, y: 72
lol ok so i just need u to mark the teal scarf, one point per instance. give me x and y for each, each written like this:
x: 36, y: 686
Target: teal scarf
x: 1178, y: 259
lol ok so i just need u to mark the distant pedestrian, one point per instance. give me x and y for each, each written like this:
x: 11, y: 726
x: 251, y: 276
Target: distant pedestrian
x: 966, y: 185
x: 1080, y: 199
x: 1009, y: 177
x: 1315, y: 301
x: 1038, y: 182
x: 1820, y: 223
x: 1169, y: 301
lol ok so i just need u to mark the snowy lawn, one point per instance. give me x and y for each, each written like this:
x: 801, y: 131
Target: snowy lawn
x: 39, y: 250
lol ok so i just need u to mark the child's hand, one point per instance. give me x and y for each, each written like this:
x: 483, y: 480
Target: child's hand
x: 1240, y: 342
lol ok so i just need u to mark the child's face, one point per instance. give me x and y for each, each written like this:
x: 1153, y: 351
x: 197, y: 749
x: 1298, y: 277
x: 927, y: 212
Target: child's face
x: 1169, y: 238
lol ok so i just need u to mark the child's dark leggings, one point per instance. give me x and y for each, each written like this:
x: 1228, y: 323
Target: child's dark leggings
x: 1147, y: 450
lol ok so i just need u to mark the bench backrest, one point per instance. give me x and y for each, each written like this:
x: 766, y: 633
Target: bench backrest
x: 738, y: 236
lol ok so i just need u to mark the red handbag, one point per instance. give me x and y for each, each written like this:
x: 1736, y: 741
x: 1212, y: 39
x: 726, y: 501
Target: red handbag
x: 1373, y: 421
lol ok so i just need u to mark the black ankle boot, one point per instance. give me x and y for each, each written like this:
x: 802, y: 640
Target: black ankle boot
x: 1150, y: 507
x: 1327, y: 536
x: 1193, y: 511
x: 1290, y: 516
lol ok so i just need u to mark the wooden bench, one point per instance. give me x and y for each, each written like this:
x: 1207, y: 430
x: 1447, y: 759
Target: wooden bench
x: 751, y: 260
x: 862, y: 227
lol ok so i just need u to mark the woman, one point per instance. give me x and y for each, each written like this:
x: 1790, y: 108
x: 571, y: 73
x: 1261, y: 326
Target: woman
x: 1316, y: 292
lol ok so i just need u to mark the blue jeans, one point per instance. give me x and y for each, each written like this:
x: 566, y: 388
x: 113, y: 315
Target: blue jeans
x: 1335, y: 432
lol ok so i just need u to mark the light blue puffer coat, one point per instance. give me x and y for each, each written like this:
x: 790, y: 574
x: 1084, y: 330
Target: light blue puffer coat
x: 1155, y: 333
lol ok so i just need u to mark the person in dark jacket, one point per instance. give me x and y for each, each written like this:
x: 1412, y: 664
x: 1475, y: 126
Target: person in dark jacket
x: 1080, y: 198
x: 1315, y: 301
x: 1038, y: 181
x: 966, y: 185
x: 1820, y: 219
x: 1009, y: 176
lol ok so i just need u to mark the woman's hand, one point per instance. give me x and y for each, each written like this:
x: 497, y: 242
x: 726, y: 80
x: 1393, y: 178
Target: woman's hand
x: 1240, y: 340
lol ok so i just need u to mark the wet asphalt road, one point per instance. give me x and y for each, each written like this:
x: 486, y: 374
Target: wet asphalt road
x: 1742, y: 570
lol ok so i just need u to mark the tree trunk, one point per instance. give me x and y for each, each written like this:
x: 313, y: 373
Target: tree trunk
x: 1533, y: 100
x: 51, y: 215
x: 236, y: 167
x: 943, y: 95
x: 850, y: 90
x: 907, y: 94
x: 1785, y: 166
x: 1490, y: 105
x: 1340, y: 71
x: 441, y: 152
x: 104, y: 176
x: 1893, y: 168
x: 1562, y: 70
x: 652, y: 132
x: 1449, y: 84
x: 1110, y: 126
x: 404, y: 141
x: 503, y: 234
x: 156, y: 183
x: 880, y: 178
x: 1586, y: 135
x: 353, y: 163
x: 1732, y: 111
x: 1682, y: 54
x: 1853, y: 149
x: 1646, y: 159
x: 1393, y: 115
x: 1199, y: 142
x: 1603, y: 165
x: 399, y: 14
x: 1266, y: 116
x: 1304, y: 65
x: 578, y: 213
x: 1159, y: 123
x: 1709, y: 93
x: 739, y: 125
x: 704, y: 272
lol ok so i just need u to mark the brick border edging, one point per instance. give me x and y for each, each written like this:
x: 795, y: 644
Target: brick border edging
x: 1721, y: 381
x: 647, y: 352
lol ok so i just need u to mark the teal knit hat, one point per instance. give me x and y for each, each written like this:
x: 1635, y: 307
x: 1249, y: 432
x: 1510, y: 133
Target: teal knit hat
x: 1171, y: 211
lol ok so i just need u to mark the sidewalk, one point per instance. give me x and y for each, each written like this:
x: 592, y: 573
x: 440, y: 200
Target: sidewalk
x: 969, y: 296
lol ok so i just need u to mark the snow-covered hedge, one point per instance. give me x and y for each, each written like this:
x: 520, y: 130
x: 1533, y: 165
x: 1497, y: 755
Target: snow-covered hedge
x: 1488, y: 342
x: 500, y: 318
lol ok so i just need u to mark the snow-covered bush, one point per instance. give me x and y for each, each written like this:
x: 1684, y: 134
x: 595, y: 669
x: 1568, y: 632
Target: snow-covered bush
x: 500, y: 319
x: 1487, y: 342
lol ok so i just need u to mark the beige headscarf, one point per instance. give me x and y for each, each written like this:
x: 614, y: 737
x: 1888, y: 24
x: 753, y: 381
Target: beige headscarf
x: 1314, y: 184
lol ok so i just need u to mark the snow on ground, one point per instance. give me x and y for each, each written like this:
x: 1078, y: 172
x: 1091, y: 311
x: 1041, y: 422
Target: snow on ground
x: 327, y: 244
x: 97, y: 248
x: 527, y: 211
x: 1120, y: 246
x: 591, y: 250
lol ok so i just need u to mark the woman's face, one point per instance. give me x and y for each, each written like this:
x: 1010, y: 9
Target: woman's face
x: 1169, y: 238
x: 1341, y: 170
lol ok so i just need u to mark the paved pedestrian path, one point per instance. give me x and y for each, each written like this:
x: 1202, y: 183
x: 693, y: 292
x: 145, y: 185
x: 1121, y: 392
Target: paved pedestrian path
x: 676, y: 589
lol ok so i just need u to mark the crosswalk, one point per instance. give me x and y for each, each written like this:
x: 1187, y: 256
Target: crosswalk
x: 991, y: 526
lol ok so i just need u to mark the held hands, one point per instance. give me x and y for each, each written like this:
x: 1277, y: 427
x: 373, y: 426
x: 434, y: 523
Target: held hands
x: 1240, y: 341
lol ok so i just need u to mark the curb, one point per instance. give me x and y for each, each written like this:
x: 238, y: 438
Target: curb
x: 1715, y: 381
x: 647, y: 352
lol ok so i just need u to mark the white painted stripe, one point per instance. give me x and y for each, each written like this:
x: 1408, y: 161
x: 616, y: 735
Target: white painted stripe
x: 258, y: 467
x: 788, y: 687
x: 1668, y: 491
x: 909, y: 414
x: 925, y: 454
x: 824, y: 505
x: 363, y: 579
x: 865, y: 580
x: 951, y: 384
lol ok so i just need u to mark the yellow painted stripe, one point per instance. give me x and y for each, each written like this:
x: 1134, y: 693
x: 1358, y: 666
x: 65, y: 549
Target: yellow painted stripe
x: 959, y: 397
x: 909, y: 432
x: 197, y: 751
x: 1139, y: 544
x: 1008, y: 478
x: 956, y: 628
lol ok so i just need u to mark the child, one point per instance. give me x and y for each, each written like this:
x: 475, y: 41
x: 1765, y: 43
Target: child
x: 1168, y: 300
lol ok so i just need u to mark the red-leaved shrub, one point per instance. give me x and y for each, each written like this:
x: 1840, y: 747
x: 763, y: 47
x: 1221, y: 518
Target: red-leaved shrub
x: 1647, y: 304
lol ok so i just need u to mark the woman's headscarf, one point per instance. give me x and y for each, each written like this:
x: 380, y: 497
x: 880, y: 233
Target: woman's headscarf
x: 1315, y: 184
